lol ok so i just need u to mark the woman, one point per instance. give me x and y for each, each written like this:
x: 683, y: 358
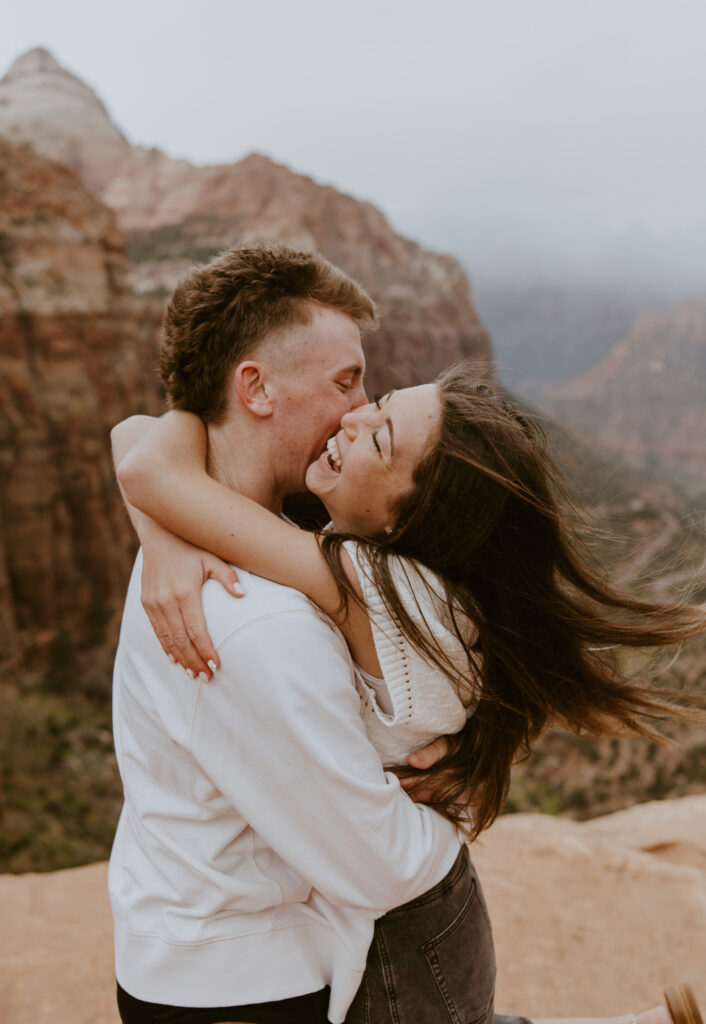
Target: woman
x: 462, y: 589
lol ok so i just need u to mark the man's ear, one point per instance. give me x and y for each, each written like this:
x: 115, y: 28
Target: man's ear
x: 253, y: 387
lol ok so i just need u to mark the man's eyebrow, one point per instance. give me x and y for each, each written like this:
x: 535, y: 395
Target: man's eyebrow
x: 353, y: 368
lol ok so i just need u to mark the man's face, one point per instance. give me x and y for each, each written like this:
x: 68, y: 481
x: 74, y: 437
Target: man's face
x: 318, y: 384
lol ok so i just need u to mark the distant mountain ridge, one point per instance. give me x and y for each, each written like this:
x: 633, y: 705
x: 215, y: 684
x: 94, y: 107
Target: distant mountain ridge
x: 543, y: 336
x: 646, y: 400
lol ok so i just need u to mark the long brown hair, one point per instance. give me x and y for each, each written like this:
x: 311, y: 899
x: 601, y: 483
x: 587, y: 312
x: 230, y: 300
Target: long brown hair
x: 491, y: 514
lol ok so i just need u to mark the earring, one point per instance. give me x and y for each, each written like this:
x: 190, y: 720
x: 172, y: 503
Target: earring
x: 388, y: 529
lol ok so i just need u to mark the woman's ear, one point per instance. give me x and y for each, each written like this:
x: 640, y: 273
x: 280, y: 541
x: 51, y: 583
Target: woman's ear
x: 253, y: 388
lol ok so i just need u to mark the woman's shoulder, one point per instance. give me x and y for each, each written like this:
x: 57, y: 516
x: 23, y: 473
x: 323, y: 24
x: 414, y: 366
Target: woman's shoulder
x: 422, y: 592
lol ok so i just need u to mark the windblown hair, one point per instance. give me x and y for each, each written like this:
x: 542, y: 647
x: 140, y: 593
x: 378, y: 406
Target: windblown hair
x: 221, y: 311
x: 492, y: 516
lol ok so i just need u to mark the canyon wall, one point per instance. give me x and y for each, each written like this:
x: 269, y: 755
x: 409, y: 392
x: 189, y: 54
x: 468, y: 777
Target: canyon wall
x: 76, y: 355
x: 175, y: 213
x: 79, y: 326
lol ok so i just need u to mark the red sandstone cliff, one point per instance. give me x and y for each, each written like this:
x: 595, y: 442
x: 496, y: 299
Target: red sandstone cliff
x: 76, y: 354
x: 77, y: 351
x: 428, y: 318
x: 175, y: 213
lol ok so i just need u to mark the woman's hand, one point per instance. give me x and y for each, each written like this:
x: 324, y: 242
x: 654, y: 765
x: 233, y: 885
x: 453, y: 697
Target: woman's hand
x: 173, y: 573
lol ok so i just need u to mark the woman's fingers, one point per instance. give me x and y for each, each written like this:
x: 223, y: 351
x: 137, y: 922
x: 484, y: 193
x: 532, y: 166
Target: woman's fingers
x: 173, y: 573
x: 186, y: 625
x: 216, y: 569
x: 160, y: 627
x: 177, y: 623
x: 171, y: 596
x: 197, y: 632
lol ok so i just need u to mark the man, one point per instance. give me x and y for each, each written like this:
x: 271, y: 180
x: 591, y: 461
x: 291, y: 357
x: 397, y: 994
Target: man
x: 260, y: 837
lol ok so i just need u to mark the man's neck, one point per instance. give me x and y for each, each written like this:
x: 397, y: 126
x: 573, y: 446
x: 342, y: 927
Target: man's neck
x: 239, y: 458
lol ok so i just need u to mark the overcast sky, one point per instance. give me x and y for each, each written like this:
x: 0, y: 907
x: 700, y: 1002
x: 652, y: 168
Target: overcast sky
x: 520, y: 119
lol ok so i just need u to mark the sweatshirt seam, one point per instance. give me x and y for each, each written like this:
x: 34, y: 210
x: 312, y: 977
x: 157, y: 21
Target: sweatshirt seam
x: 282, y: 613
x: 194, y: 713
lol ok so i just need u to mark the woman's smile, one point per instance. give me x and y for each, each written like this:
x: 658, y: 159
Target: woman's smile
x: 369, y: 464
x: 334, y: 454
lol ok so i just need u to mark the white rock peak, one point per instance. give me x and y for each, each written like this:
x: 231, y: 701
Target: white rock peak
x: 36, y: 61
x: 43, y: 104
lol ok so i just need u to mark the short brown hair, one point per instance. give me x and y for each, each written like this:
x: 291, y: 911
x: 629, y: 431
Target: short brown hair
x: 222, y: 310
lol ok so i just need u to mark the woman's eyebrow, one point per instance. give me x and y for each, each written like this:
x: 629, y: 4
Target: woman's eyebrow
x: 388, y: 421
x: 392, y: 435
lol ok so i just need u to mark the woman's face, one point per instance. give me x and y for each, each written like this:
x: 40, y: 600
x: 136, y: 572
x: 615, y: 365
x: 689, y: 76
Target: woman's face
x: 370, y: 462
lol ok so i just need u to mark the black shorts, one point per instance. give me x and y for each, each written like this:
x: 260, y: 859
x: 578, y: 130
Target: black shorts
x: 308, y: 1009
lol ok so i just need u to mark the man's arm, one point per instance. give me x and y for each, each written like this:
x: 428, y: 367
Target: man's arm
x: 280, y: 735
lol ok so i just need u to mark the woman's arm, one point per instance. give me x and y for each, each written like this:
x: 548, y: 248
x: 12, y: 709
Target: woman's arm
x: 175, y: 611
x: 164, y: 475
x: 173, y: 573
x: 125, y: 435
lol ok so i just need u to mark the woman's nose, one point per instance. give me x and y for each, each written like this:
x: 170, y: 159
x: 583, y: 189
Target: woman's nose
x: 350, y: 421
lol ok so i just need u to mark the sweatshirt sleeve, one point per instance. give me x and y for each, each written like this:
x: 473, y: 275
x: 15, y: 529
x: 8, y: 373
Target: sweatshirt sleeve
x: 280, y: 735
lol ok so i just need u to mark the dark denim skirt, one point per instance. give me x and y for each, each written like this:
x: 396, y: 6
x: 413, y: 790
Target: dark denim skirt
x: 431, y: 960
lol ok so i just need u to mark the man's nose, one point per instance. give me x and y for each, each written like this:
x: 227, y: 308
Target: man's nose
x: 358, y: 396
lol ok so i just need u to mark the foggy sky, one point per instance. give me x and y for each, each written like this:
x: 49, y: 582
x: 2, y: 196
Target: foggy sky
x: 517, y: 133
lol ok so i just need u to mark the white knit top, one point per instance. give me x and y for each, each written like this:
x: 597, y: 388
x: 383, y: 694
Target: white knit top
x: 424, y: 703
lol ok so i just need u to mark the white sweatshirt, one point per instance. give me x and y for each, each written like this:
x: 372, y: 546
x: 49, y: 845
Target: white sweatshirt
x: 260, y: 837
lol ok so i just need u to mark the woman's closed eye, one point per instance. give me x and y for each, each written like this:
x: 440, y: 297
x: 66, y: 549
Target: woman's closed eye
x: 374, y: 435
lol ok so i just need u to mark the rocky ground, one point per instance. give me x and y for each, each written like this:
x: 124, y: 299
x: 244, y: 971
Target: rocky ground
x: 590, y: 919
